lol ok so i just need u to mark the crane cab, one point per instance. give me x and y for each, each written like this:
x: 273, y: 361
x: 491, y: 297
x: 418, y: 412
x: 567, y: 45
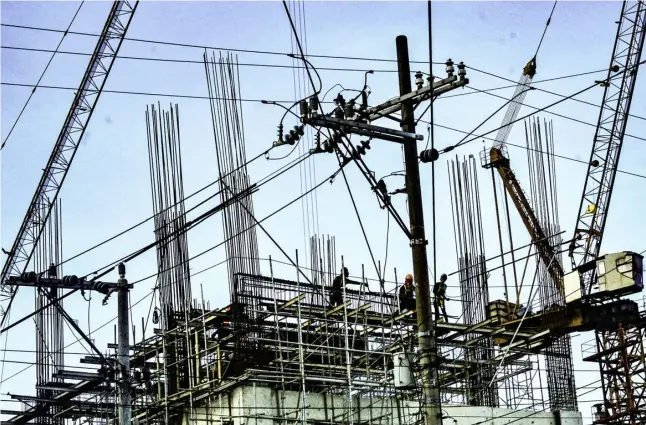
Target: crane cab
x: 615, y: 274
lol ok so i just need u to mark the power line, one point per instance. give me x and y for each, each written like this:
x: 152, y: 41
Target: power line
x: 539, y: 89
x: 202, y: 47
x: 266, y: 65
x: 171, y: 206
x: 464, y: 142
x: 193, y: 61
x: 42, y: 74
x: 258, y: 222
x: 536, y: 150
x: 182, y: 96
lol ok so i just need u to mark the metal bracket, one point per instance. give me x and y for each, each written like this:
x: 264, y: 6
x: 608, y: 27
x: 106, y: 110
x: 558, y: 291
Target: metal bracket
x: 415, y: 242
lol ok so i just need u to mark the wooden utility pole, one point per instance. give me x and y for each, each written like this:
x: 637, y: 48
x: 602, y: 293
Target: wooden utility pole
x: 426, y: 331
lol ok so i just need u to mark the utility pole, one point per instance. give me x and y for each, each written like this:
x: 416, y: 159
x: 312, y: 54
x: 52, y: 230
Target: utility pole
x: 348, y: 119
x: 74, y: 283
x: 123, y: 354
x: 426, y: 331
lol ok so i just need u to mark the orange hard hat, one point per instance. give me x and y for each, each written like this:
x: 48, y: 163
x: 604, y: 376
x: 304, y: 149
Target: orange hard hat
x: 409, y: 277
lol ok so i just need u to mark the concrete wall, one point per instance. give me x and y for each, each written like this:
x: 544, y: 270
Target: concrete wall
x: 254, y: 405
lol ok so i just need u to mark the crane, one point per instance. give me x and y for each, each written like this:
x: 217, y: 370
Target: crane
x: 619, y: 350
x: 65, y: 148
x: 606, y: 148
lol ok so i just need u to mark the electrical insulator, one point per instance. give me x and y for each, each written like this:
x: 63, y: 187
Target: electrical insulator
x: 51, y: 271
x: 288, y: 139
x: 314, y: 105
x: 340, y: 100
x: 122, y: 270
x: 338, y: 113
x: 361, y: 150
x: 349, y: 109
x: 429, y: 155
x: 462, y: 71
x: 156, y: 316
x: 28, y: 277
x: 449, y: 67
x: 71, y: 280
x: 419, y: 80
x: 304, y: 110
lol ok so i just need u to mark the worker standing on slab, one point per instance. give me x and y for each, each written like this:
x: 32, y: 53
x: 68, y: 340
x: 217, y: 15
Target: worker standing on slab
x: 407, y: 295
x: 336, y: 294
x: 439, y: 290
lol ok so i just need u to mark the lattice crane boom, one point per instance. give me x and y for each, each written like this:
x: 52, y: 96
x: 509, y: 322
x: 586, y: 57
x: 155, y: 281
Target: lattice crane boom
x: 66, y: 146
x: 541, y: 239
x: 609, y: 135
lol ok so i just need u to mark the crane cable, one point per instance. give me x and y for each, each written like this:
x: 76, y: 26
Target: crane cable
x: 524, y: 85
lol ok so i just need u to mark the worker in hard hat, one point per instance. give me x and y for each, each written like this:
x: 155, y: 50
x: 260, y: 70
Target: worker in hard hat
x: 407, y: 295
x: 439, y: 290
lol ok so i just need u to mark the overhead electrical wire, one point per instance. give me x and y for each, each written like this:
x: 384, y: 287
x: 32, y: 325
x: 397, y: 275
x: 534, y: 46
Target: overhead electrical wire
x: 536, y: 150
x: 192, y: 223
x: 102, y: 271
x: 485, y: 91
x: 589, y: 124
x: 201, y: 62
x: 42, y: 74
x: 258, y: 222
x: 202, y: 47
x: 193, y: 61
x: 585, y: 102
x: 171, y: 206
x: 464, y: 142
x: 181, y: 96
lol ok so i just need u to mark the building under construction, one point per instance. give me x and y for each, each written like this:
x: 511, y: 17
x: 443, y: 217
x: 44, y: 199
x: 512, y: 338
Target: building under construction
x: 321, y: 347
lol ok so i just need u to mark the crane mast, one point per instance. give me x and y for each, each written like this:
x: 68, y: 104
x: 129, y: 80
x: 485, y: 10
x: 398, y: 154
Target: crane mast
x: 619, y: 350
x: 66, y: 146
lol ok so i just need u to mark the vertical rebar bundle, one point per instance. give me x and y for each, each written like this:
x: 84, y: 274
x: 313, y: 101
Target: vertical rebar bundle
x: 323, y: 265
x: 223, y: 82
x: 543, y: 194
x: 49, y: 322
x: 469, y: 241
x: 167, y: 188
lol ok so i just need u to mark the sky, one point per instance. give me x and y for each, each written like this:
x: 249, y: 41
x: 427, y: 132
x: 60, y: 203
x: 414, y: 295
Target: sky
x: 108, y: 186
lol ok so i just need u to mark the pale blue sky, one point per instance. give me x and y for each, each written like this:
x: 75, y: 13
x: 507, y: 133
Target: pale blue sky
x: 107, y: 188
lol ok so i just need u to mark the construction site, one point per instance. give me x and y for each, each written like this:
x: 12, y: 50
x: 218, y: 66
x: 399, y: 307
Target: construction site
x: 478, y: 315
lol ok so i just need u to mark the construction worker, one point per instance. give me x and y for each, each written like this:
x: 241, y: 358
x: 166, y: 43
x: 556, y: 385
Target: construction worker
x: 336, y: 294
x: 407, y: 295
x: 439, y: 290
